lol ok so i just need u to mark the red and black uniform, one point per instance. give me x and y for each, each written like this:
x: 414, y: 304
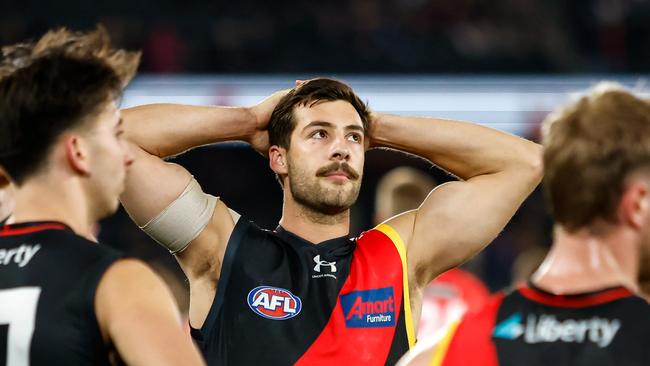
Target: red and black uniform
x: 48, y: 278
x: 282, y: 300
x: 531, y: 327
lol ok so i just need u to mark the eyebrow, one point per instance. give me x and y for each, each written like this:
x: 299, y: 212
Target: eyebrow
x: 331, y: 125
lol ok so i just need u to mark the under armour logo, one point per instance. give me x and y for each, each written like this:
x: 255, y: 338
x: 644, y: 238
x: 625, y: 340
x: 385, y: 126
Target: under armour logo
x: 320, y: 263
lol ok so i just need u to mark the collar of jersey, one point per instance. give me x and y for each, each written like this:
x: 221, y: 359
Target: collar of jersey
x: 32, y: 226
x: 532, y: 292
x: 343, y: 243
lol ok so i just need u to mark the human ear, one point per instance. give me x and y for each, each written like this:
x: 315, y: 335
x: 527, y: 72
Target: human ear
x: 76, y: 153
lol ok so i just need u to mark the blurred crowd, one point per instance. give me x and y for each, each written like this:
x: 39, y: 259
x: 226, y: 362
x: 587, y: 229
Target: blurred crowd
x: 362, y: 36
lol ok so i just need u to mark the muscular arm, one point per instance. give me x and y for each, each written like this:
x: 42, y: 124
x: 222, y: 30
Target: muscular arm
x: 137, y: 314
x: 168, y: 129
x: 458, y: 219
x: 161, y: 130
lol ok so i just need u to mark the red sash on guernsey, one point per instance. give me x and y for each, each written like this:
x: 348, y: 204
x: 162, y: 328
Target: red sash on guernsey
x: 363, y: 323
x: 474, y: 336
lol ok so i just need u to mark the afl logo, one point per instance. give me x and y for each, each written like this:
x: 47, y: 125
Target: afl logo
x: 274, y: 303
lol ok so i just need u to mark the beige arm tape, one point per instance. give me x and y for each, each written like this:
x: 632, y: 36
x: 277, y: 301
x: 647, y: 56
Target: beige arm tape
x: 183, y: 220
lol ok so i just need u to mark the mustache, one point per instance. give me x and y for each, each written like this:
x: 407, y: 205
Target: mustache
x: 344, y: 167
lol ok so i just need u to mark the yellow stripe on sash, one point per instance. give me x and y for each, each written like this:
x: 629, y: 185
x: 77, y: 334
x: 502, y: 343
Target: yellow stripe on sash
x: 440, y: 351
x: 401, y: 249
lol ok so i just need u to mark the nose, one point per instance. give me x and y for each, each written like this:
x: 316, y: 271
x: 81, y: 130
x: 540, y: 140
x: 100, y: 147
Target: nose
x: 340, y: 154
x: 340, y: 150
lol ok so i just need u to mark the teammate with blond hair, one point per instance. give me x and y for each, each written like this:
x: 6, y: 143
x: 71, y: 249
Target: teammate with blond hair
x: 579, y: 307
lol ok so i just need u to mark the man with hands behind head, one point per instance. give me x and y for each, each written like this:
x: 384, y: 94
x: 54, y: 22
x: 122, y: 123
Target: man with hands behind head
x: 306, y: 292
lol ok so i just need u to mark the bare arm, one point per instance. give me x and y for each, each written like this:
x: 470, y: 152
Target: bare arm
x: 458, y: 219
x: 137, y: 314
x: 160, y: 130
x: 168, y: 129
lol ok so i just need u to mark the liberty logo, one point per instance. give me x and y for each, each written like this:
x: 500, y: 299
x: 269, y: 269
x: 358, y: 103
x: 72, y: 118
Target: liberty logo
x: 320, y: 263
x: 20, y: 256
x: 510, y: 328
x: 545, y: 328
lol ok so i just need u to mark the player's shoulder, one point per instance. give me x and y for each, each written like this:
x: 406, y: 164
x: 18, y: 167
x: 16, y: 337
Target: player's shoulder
x: 638, y: 304
x: 84, y: 246
x: 54, y: 237
x: 392, y: 229
x: 247, y: 231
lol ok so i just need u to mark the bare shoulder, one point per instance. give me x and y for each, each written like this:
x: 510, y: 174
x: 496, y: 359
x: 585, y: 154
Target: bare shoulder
x: 403, y: 225
x: 129, y: 285
x: 433, y: 212
x: 128, y: 281
x: 138, y: 316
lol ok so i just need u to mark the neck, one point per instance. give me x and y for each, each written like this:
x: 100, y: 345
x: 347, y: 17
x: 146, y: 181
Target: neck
x: 6, y: 203
x: 62, y: 200
x: 311, y: 225
x: 586, y: 261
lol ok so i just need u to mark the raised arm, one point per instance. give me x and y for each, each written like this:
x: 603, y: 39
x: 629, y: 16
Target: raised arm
x: 161, y: 130
x: 169, y: 129
x: 497, y: 172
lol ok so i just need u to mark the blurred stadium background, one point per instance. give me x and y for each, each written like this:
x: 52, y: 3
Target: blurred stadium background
x: 502, y: 63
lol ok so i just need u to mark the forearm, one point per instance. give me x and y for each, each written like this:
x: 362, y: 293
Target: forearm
x: 170, y: 129
x: 463, y: 149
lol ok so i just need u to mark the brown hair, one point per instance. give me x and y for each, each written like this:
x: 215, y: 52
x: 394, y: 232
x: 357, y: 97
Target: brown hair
x: 309, y: 93
x: 50, y: 86
x: 591, y: 147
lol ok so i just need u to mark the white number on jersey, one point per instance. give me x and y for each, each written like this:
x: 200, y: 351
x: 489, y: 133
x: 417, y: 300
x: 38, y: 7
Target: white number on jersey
x: 18, y: 309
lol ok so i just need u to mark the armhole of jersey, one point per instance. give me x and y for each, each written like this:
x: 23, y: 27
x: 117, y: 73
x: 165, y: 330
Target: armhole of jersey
x: 441, y: 348
x: 226, y: 268
x: 401, y: 249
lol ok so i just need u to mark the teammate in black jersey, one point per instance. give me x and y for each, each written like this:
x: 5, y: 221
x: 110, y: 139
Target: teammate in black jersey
x: 316, y: 136
x: 64, y: 299
x: 580, y: 307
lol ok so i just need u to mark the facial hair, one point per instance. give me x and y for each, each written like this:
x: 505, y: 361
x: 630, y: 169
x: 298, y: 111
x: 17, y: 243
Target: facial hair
x: 310, y: 192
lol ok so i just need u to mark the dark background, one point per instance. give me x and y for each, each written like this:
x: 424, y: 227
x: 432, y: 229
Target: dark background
x: 464, y: 37
x: 358, y: 36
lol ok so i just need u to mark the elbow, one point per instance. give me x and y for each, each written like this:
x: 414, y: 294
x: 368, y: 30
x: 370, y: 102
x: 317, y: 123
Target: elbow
x: 534, y: 163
